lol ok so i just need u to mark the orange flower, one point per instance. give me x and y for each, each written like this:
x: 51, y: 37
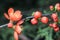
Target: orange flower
x: 13, y: 16
x: 17, y: 15
x: 34, y: 21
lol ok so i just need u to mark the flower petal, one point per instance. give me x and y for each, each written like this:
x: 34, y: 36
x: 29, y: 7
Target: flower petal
x: 20, y: 22
x: 15, y: 35
x: 10, y: 11
x: 17, y: 15
x: 18, y: 12
x: 6, y: 16
x: 18, y: 29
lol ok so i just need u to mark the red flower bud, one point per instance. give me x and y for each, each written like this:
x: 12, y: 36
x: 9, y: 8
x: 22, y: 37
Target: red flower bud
x: 10, y: 25
x: 51, y: 7
x: 50, y: 25
x: 57, y: 6
x: 54, y: 25
x: 44, y: 20
x: 34, y: 21
x: 56, y: 29
x: 37, y: 14
x: 54, y: 16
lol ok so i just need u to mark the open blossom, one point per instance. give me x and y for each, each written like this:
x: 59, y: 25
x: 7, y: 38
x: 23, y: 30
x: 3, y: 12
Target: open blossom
x: 13, y: 16
x: 57, y: 6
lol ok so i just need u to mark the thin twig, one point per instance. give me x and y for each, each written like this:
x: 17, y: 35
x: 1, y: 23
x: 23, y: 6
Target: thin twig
x: 4, y: 25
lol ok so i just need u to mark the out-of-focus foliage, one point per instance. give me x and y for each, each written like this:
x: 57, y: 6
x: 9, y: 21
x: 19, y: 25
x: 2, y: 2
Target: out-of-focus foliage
x: 34, y: 32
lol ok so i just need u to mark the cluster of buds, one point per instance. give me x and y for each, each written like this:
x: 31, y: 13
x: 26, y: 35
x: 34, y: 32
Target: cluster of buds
x: 54, y: 16
x: 38, y: 15
x: 44, y: 19
x: 54, y: 26
x: 14, y: 17
x: 57, y: 7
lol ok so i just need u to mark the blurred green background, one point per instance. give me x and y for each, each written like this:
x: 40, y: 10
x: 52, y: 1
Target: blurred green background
x: 27, y: 7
